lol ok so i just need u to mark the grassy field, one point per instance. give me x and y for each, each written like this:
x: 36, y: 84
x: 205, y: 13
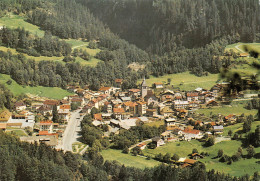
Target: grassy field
x: 15, y: 21
x: 238, y: 127
x: 242, y: 167
x: 155, y: 123
x: 50, y: 92
x: 236, y: 108
x: 244, y: 47
x: 128, y: 159
x: 188, y: 81
x: 18, y: 132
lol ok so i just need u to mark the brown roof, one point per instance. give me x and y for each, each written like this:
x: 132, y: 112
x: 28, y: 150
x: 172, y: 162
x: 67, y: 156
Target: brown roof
x: 98, y: 116
x: 45, y: 122
x: 65, y: 107
x: 104, y: 88
x: 5, y: 115
x: 118, y: 110
x: 76, y: 100
x: 192, y: 94
x: 130, y: 104
x: 134, y: 90
x: 19, y: 104
x: 191, y: 131
x: 3, y: 125
x: 158, y: 83
x: 119, y: 80
x: 190, y: 161
x: 51, y: 102
x: 141, y: 102
x: 244, y: 54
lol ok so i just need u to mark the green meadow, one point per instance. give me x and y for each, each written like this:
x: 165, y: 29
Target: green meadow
x: 185, y: 80
x: 49, y: 92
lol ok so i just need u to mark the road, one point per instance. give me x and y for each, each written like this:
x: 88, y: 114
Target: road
x: 71, y: 132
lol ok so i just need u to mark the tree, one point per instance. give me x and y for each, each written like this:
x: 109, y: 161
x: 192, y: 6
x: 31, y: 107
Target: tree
x: 74, y: 106
x: 250, y: 151
x: 126, y: 150
x: 257, y: 136
x: 230, y: 133
x: 210, y: 141
x: 175, y: 157
x: 195, y: 150
x: 246, y: 126
x: 55, y: 114
x: 220, y: 153
x: 167, y: 158
x: 235, y: 137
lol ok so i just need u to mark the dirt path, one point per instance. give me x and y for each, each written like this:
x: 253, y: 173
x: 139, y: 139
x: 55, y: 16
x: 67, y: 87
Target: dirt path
x: 237, y: 47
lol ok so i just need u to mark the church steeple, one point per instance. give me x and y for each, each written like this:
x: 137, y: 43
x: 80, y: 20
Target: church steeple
x: 144, y: 88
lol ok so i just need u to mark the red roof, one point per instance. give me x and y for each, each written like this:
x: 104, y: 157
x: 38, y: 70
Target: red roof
x: 118, y: 110
x: 46, y: 122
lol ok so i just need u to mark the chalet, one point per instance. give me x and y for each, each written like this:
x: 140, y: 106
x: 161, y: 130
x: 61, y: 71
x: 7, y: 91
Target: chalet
x: 36, y: 106
x: 230, y: 118
x: 212, y: 103
x: 216, y: 90
x: 46, y: 126
x: 135, y: 92
x: 108, y: 107
x: 166, y: 135
x: 244, y: 54
x: 98, y: 117
x: 209, y: 98
x: 106, y: 90
x: 119, y: 82
x: 51, y: 103
x: 167, y: 112
x: 141, y: 146
x: 218, y: 129
x: 130, y: 107
x: 19, y: 106
x: 169, y: 122
x: 45, y: 109
x: 189, y: 134
x: 196, y: 156
x: 192, y: 96
x: 167, y: 96
x: 181, y: 104
x: 150, y: 97
x: 3, y: 126
x: 186, y: 162
x: 119, y: 113
x: 157, y: 141
x: 5, y: 116
x: 141, y: 108
x: 194, y: 105
x: 64, y: 113
x: 158, y: 85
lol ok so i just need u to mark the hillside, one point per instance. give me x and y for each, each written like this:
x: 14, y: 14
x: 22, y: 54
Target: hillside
x: 49, y: 92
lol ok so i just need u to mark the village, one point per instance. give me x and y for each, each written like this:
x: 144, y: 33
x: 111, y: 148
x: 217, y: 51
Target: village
x: 118, y: 110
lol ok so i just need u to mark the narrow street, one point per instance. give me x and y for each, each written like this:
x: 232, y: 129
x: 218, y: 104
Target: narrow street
x: 72, y: 131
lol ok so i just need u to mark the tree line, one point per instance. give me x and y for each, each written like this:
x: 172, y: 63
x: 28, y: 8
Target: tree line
x: 25, y: 42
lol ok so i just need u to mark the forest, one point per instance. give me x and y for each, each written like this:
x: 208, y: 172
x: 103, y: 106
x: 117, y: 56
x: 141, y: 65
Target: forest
x: 25, y: 161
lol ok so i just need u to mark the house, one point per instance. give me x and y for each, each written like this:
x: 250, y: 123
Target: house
x: 106, y: 90
x: 209, y: 98
x: 189, y: 134
x: 169, y: 122
x: 166, y: 135
x: 141, y: 146
x: 78, y: 101
x: 167, y: 96
x: 46, y: 126
x: 119, y: 82
x: 64, y: 114
x: 187, y: 162
x: 192, y: 96
x: 244, y: 54
x: 166, y: 111
x: 3, y: 126
x: 98, y: 117
x: 130, y: 107
x: 158, y: 85
x: 5, y: 116
x: 45, y: 109
x: 135, y: 92
x: 157, y: 141
x: 218, y: 129
x: 181, y: 104
x: 151, y: 112
x: 19, y: 106
x: 212, y: 103
x: 51, y: 103
x: 230, y: 118
x: 141, y: 108
x: 119, y: 113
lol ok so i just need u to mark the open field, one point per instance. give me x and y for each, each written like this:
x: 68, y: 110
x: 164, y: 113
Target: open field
x: 50, y: 92
x: 242, y: 167
x: 238, y: 127
x: 15, y: 21
x: 155, y: 123
x: 128, y: 159
x: 185, y: 80
x: 18, y: 132
x: 236, y: 108
x: 244, y: 47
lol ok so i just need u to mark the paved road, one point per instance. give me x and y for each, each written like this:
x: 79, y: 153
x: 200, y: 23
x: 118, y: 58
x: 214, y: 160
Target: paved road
x: 72, y: 131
